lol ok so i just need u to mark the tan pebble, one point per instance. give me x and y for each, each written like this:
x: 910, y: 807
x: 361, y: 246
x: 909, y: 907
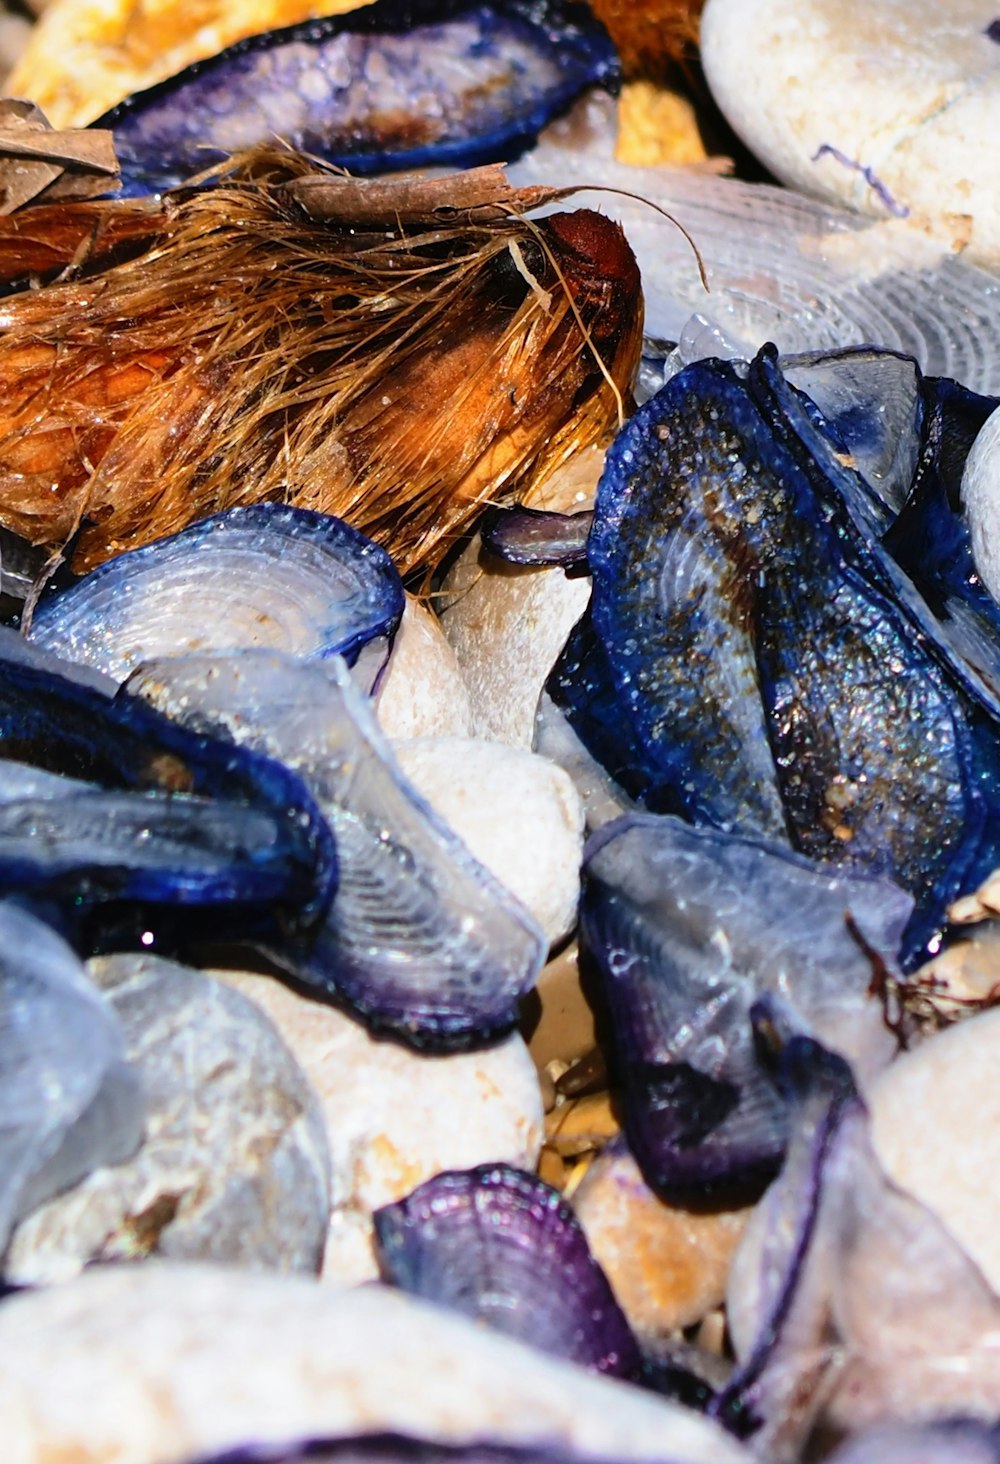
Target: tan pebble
x: 508, y: 627
x: 518, y: 813
x: 936, y: 1131
x: 562, y: 1024
x: 657, y: 125
x: 582, y: 1124
x: 396, y: 1117
x: 552, y: 1169
x: 667, y: 1265
x: 422, y: 693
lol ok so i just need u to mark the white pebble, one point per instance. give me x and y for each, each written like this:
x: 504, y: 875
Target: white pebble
x: 885, y: 105
x: 508, y: 624
x: 422, y: 693
x: 158, y: 1363
x: 396, y: 1117
x: 936, y: 1131
x: 518, y: 813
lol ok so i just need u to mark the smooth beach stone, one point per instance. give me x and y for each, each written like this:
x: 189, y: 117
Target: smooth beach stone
x: 561, y: 1028
x: 519, y: 814
x: 667, y: 1265
x: 889, y: 106
x: 396, y: 1117
x: 936, y: 1130
x: 981, y: 501
x: 507, y: 623
x: 421, y: 693
x: 159, y: 1363
x: 234, y: 1166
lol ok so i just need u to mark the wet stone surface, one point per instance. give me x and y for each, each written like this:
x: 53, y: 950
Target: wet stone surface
x: 396, y: 1117
x: 235, y: 1164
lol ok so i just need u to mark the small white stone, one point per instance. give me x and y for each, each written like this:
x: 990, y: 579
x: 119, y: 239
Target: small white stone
x: 396, y: 1117
x: 981, y: 501
x: 161, y: 1363
x: 518, y: 813
x: 422, y: 693
x: 822, y: 90
x: 936, y: 1130
x: 508, y: 624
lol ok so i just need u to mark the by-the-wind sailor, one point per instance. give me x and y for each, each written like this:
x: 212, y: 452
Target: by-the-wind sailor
x: 500, y: 1245
x: 847, y: 1296
x: 68, y: 1099
x: 95, y: 852
x: 776, y: 670
x: 389, y: 86
x: 265, y: 575
x: 230, y: 829
x: 420, y: 939
x: 688, y: 928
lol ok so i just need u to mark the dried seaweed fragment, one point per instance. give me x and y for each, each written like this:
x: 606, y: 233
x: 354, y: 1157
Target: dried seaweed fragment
x: 397, y: 376
x: 37, y: 161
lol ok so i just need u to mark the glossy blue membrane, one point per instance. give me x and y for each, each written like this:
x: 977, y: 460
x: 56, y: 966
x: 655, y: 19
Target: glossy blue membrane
x: 391, y: 85
x: 930, y: 539
x: 264, y: 576
x: 767, y: 666
x: 220, y: 824
x: 870, y: 403
x: 420, y: 939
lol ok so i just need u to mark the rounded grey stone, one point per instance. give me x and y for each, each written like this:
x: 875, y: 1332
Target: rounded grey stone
x: 235, y: 1164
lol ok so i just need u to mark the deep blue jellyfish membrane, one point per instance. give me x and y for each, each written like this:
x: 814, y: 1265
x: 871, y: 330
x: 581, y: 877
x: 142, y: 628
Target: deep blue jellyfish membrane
x: 69, y: 1100
x: 266, y: 576
x: 221, y: 827
x: 669, y: 608
x: 420, y: 940
x: 503, y: 1247
x: 930, y: 538
x: 398, y: 84
x: 781, y: 674
x: 95, y: 853
x: 688, y: 929
x: 865, y: 522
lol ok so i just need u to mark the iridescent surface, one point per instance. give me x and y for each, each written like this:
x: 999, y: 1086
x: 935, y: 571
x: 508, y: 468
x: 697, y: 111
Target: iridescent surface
x: 500, y: 1245
x: 688, y: 929
x: 210, y: 824
x: 389, y: 86
x: 760, y: 663
x: 420, y: 939
x: 262, y: 576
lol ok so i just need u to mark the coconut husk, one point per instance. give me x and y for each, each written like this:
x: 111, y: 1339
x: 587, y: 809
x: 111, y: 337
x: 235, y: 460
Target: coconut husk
x: 398, y: 374
x: 651, y: 36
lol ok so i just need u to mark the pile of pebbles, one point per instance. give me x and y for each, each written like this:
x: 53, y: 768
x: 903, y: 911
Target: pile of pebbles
x: 277, y: 1124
